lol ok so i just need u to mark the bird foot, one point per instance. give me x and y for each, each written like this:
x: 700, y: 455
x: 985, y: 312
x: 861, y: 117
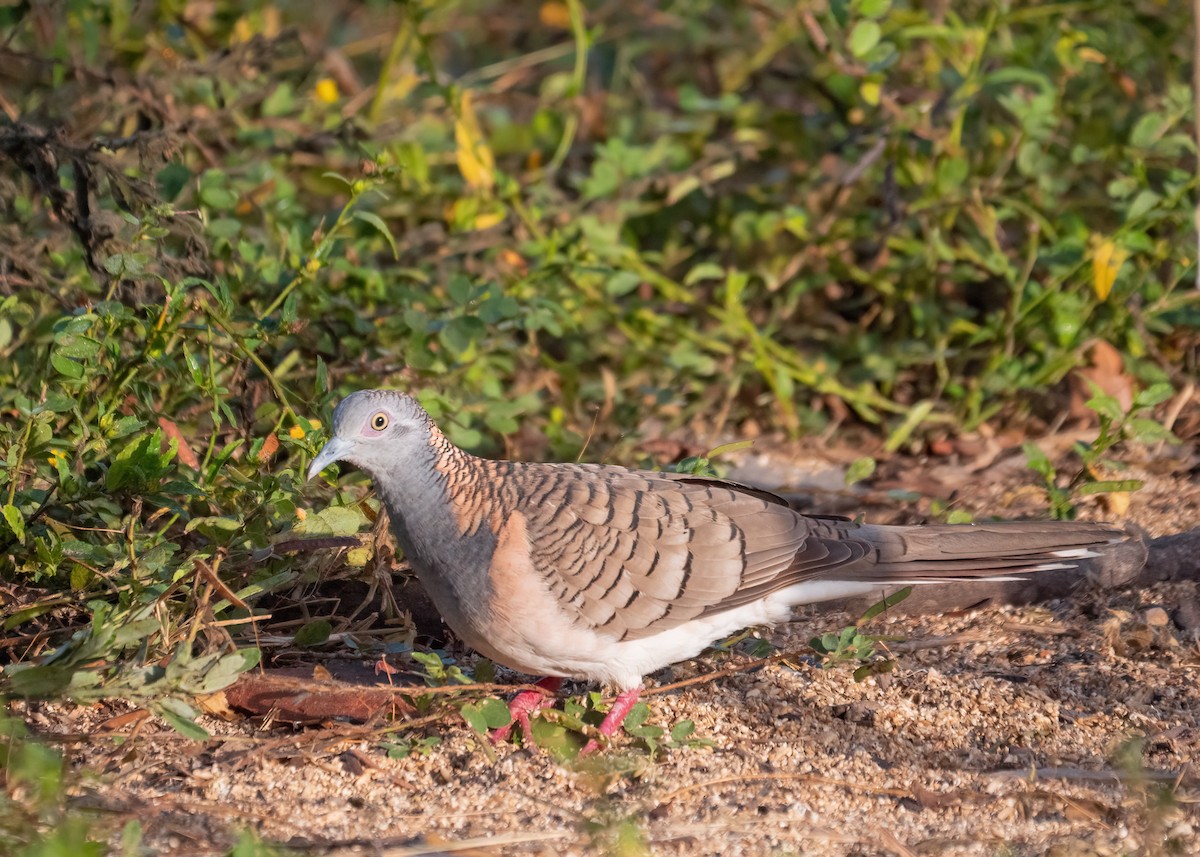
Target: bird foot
x: 524, y: 704
x: 613, y: 720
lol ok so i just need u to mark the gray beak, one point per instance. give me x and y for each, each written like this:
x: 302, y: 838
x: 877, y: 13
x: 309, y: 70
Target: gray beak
x: 334, y: 450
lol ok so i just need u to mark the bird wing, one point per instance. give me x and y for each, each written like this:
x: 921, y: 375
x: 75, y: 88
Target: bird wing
x: 633, y: 553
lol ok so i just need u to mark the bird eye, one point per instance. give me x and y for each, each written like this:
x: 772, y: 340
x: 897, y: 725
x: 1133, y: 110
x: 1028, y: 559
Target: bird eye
x: 380, y: 421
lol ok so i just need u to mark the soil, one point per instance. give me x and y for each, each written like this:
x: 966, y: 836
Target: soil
x: 1070, y: 727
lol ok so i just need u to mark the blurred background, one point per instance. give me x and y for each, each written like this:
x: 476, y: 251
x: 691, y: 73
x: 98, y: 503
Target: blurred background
x: 619, y: 231
x: 554, y: 220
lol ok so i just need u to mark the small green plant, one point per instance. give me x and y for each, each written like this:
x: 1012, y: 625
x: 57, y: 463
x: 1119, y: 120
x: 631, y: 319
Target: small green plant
x: 852, y: 647
x: 95, y: 664
x: 1116, y: 427
x: 36, y: 818
x: 438, y: 671
x: 403, y: 748
x: 702, y: 465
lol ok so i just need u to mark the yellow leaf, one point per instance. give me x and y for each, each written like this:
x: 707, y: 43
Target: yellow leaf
x: 869, y: 91
x: 1107, y: 260
x: 1116, y: 503
x: 488, y: 219
x: 475, y: 160
x: 243, y: 30
x: 296, y: 432
x: 326, y: 90
x: 555, y: 14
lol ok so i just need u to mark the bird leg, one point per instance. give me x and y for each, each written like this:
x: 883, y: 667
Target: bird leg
x: 522, y: 705
x: 620, y: 708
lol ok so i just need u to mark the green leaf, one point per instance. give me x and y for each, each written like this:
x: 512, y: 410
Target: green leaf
x: 1142, y: 204
x: 495, y: 713
x: 333, y: 521
x: 916, y: 415
x: 885, y: 604
x: 704, y: 271
x: 864, y: 37
x: 622, y: 283
x: 726, y: 448
x: 39, y: 681
x: 15, y: 521
x: 860, y: 469
x: 459, y: 334
x: 473, y: 714
x: 181, y: 717
x: 314, y: 633
x: 72, y: 369
x: 1148, y: 129
x: 1111, y: 485
x: 1037, y: 461
x: 682, y: 730
x: 1146, y: 430
x: 373, y: 219
x: 226, y: 670
x: 1153, y: 395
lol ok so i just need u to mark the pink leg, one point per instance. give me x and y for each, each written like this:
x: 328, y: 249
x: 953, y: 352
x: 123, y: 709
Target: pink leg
x: 621, y: 706
x: 522, y: 705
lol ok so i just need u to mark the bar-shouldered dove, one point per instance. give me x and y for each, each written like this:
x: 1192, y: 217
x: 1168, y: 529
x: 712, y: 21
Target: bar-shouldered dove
x: 607, y: 574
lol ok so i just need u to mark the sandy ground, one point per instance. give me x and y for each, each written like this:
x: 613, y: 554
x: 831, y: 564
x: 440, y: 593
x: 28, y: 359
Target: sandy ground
x: 1065, y: 728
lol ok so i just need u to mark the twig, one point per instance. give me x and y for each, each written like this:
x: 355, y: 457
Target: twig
x: 721, y: 673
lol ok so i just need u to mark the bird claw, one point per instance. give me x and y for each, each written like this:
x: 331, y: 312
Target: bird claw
x: 528, y: 702
x: 525, y: 703
x: 613, y: 720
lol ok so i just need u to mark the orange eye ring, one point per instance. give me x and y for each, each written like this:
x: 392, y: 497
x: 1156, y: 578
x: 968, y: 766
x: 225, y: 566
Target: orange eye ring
x: 380, y: 421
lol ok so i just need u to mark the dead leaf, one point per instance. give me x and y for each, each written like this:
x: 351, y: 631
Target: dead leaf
x: 123, y: 720
x: 216, y: 705
x: 1107, y: 373
x: 184, y: 452
x: 1116, y: 503
x: 270, y: 447
x: 301, y: 698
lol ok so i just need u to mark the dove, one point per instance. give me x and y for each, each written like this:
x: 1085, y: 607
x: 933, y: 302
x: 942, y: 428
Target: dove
x: 607, y: 574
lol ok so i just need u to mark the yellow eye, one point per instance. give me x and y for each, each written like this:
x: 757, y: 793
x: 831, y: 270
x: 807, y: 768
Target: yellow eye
x: 380, y: 421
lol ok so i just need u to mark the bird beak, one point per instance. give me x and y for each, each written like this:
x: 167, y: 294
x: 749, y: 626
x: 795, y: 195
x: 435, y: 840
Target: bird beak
x: 335, y: 449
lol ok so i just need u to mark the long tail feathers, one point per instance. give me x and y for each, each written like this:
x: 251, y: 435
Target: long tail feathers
x: 992, y: 551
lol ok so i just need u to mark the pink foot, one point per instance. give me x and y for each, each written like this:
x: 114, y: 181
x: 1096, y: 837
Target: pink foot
x: 621, y: 707
x: 524, y: 704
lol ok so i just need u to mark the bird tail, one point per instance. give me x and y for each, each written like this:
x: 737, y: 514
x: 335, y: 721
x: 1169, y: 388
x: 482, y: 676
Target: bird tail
x: 990, y: 551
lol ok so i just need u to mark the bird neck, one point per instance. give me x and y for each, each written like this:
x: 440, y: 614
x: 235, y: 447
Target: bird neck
x: 440, y: 510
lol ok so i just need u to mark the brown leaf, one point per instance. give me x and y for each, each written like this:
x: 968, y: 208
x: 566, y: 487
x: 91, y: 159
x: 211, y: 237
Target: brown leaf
x: 216, y: 705
x: 270, y: 447
x: 304, y: 698
x: 1107, y: 373
x: 184, y: 452
x: 123, y: 720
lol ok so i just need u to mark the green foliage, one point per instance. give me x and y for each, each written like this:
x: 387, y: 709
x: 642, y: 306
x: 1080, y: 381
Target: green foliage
x: 438, y: 672
x: 563, y: 733
x: 851, y: 646
x: 1116, y: 426
x: 83, y: 668
x: 36, y: 819
x: 702, y: 465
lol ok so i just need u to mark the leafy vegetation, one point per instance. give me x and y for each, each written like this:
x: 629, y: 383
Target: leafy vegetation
x: 1116, y: 426
x: 549, y: 222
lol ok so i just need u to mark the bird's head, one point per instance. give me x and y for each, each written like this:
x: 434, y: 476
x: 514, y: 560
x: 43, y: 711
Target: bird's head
x: 375, y: 430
